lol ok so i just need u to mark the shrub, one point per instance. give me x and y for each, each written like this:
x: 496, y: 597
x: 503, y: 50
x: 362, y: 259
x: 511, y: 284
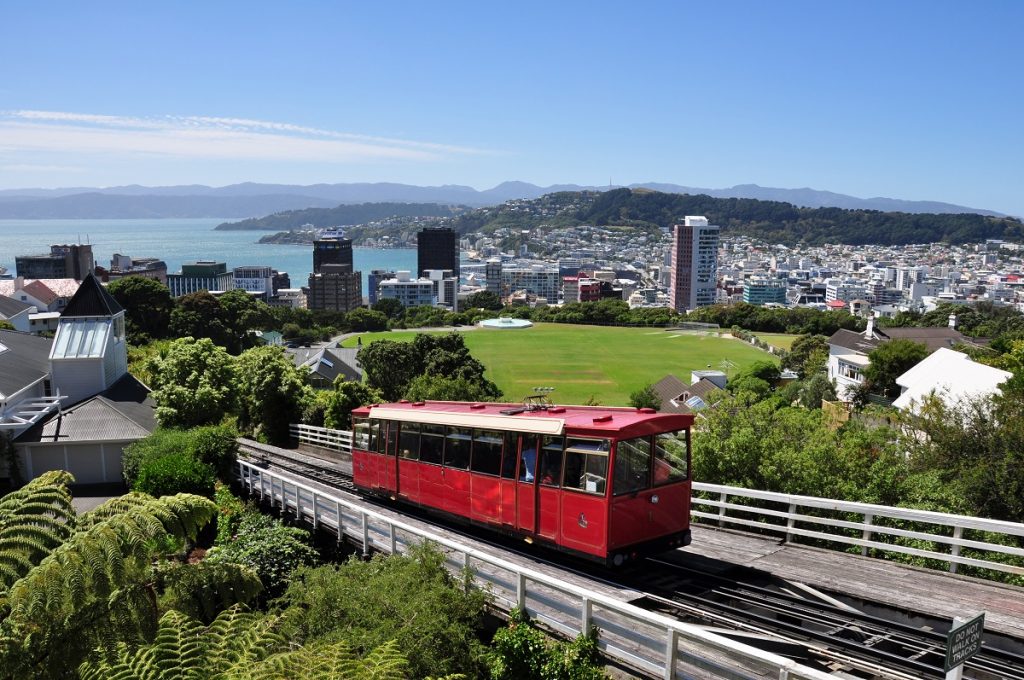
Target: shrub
x: 217, y: 446
x: 267, y: 546
x: 157, y: 445
x: 175, y: 473
x: 521, y: 652
x: 230, y: 511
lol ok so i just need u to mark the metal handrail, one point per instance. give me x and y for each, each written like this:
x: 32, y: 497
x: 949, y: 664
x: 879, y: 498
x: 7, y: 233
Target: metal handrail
x: 630, y: 634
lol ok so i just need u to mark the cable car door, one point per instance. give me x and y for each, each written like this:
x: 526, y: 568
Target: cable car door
x: 526, y: 485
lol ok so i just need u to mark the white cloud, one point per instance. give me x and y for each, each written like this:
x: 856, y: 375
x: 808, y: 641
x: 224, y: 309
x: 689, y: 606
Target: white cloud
x: 203, y: 137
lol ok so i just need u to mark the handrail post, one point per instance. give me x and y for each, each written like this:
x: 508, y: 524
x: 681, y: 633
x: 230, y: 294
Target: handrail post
x: 868, y: 533
x: 394, y: 540
x: 671, y: 653
x: 366, y: 535
x: 586, y: 608
x: 723, y: 498
x: 521, y: 592
x: 790, y: 522
x: 341, y: 524
x: 314, y: 512
x: 954, y: 549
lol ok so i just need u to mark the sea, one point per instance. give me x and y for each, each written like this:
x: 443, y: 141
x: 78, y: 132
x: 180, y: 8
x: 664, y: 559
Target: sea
x: 182, y: 240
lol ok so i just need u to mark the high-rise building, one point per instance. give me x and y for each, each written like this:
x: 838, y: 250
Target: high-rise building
x: 62, y: 262
x: 446, y: 287
x: 762, y: 291
x: 694, y: 270
x: 335, y: 287
x: 492, y: 273
x: 373, y: 283
x: 255, y: 279
x: 437, y: 248
x: 408, y: 291
x: 332, y: 248
x: 201, y: 275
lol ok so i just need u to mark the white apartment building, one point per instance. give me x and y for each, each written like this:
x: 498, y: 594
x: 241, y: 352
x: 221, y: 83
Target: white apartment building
x: 540, y: 280
x: 255, y: 279
x: 845, y: 290
x: 407, y: 290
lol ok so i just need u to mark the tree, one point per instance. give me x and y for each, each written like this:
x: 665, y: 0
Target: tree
x: 430, y: 386
x: 6, y: 325
x: 194, y: 383
x: 347, y: 395
x: 645, y: 397
x: 807, y: 356
x: 889, y: 361
x: 485, y: 299
x: 816, y: 389
x: 240, y: 314
x: 389, y: 366
x: 389, y: 307
x: 147, y: 306
x: 70, y: 583
x: 367, y: 320
x: 199, y: 315
x: 271, y: 393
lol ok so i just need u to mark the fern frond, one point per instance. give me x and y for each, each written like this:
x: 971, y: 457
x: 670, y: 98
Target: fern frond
x: 34, y: 521
x: 335, y: 660
x: 205, y: 589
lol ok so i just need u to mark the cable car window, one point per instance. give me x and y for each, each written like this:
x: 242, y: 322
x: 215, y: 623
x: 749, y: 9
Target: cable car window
x: 670, y: 449
x: 432, y: 444
x: 586, y: 465
x: 456, y: 447
x: 528, y: 459
x: 487, y: 447
x: 392, y: 439
x: 360, y: 433
x: 374, y: 443
x: 508, y: 461
x: 632, y: 466
x: 409, y: 441
x: 551, y: 461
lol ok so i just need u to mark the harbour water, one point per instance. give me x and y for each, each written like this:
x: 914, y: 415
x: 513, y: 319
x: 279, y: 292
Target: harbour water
x: 180, y: 240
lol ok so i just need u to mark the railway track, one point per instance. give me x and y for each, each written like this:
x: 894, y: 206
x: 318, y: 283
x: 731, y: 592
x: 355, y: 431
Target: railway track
x: 757, y: 609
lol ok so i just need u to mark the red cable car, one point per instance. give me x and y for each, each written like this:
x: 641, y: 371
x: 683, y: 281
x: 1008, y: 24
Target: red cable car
x: 604, y: 483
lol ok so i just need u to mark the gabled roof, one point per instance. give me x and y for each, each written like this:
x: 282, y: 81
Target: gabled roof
x: 10, y: 307
x: 951, y: 376
x: 932, y: 337
x: 678, y: 397
x: 854, y: 340
x: 40, y: 291
x: 124, y: 411
x: 24, y: 359
x: 92, y: 299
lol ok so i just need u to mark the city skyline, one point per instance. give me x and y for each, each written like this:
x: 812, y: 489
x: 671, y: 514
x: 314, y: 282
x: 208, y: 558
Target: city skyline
x: 913, y: 101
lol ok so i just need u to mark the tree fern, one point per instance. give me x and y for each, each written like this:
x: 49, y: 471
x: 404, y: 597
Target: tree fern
x: 204, y: 589
x: 34, y: 520
x: 107, y: 563
x: 329, y: 661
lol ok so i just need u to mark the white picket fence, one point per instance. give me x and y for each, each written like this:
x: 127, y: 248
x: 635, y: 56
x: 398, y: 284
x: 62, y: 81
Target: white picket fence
x: 337, y: 440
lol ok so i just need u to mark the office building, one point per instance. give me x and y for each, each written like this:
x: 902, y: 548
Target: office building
x: 280, y: 281
x: 694, y: 268
x: 407, y: 290
x: 844, y: 290
x: 437, y: 248
x: 257, y: 279
x: 541, y: 281
x: 492, y: 273
x: 146, y: 267
x: 332, y: 248
x: 335, y: 287
x: 62, y: 262
x: 373, y: 282
x: 764, y: 291
x: 201, y: 275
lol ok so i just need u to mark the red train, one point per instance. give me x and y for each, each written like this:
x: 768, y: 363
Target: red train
x: 608, y: 484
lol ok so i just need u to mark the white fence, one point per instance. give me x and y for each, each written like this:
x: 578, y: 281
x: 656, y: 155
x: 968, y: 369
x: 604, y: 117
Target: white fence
x: 791, y: 518
x: 338, y: 440
x: 641, y: 639
x: 787, y: 518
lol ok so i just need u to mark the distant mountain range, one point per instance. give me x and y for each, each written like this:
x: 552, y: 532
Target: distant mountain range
x: 253, y: 200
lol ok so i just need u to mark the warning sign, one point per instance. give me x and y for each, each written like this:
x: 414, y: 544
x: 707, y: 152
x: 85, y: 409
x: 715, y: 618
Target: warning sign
x: 964, y: 642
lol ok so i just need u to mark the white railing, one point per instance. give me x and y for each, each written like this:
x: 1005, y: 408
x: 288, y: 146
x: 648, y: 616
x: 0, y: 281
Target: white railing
x: 786, y: 519
x: 864, y: 523
x: 644, y: 640
x: 338, y: 440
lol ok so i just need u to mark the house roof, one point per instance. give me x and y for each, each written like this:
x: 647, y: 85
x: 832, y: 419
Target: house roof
x: 24, y: 359
x: 40, y: 291
x: 10, y: 307
x: 335, y: 361
x: 50, y: 289
x: 951, y: 376
x: 675, y: 394
x: 933, y: 338
x: 92, y: 299
x: 852, y: 340
x: 124, y: 411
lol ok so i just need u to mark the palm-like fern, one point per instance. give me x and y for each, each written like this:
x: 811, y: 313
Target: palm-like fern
x: 98, y: 572
x: 34, y: 520
x: 329, y: 661
x: 204, y: 589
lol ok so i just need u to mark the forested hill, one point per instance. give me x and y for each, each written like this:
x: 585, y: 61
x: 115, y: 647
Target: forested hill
x: 772, y: 221
x: 342, y: 215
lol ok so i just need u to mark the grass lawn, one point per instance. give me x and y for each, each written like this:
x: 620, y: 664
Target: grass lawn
x: 780, y: 340
x: 606, y: 363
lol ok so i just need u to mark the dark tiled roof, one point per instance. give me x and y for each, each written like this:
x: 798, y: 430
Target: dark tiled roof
x: 124, y: 411
x: 670, y: 388
x: 933, y: 338
x: 854, y: 341
x: 92, y: 300
x: 26, y: 360
x: 339, y: 361
x: 9, y: 306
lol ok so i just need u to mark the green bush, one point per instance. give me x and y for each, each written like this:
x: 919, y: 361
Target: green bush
x: 521, y: 652
x: 217, y: 446
x: 157, y: 445
x: 267, y: 546
x: 230, y: 511
x: 214, y: 445
x: 175, y: 473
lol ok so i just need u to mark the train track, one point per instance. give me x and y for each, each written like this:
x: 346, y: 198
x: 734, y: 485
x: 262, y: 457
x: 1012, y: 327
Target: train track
x: 758, y: 609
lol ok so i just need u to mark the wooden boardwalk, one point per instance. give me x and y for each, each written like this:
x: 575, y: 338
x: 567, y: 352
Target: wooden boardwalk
x: 931, y: 593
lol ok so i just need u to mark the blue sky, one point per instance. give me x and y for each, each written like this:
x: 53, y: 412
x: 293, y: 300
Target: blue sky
x: 915, y: 100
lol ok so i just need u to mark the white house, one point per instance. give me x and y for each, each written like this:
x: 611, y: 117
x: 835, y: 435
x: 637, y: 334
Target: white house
x: 951, y: 376
x: 16, y: 312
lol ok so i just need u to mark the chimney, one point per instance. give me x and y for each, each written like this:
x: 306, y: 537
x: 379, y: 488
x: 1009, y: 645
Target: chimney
x: 869, y: 332
x: 19, y: 283
x: 952, y: 321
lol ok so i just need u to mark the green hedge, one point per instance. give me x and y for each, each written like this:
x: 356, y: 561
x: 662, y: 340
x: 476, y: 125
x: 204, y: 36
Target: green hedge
x: 175, y: 473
